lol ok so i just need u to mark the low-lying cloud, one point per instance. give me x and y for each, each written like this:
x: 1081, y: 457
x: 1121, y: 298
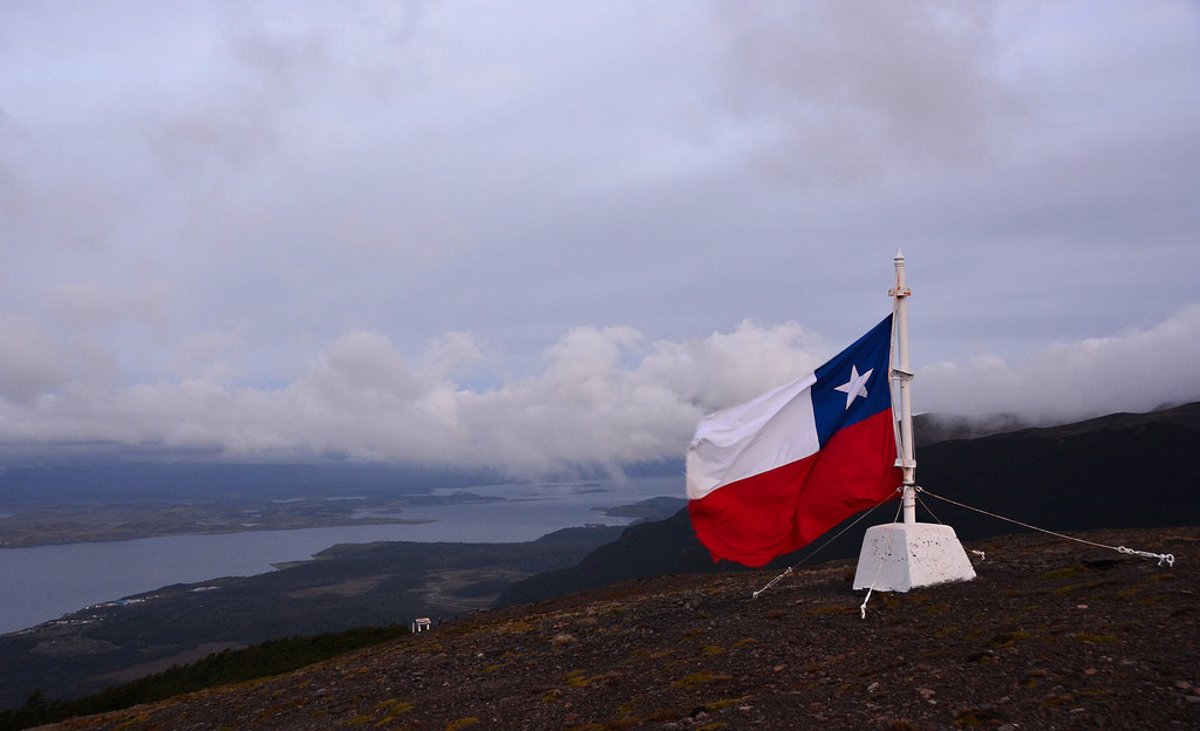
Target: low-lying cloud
x: 606, y: 396
x: 1133, y: 370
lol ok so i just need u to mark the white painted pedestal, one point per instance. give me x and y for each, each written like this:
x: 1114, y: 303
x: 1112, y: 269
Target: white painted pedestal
x: 903, y: 556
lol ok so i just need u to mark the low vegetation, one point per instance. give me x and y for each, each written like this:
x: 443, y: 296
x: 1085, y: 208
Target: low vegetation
x: 223, y: 668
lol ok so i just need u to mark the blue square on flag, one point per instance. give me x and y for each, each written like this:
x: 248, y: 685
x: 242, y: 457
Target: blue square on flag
x: 854, y: 384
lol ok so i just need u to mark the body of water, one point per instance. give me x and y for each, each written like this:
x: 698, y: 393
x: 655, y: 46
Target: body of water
x: 46, y: 582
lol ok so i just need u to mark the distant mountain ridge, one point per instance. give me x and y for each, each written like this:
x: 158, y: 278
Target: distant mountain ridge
x: 1116, y: 471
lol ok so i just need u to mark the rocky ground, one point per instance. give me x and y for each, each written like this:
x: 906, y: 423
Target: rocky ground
x: 1052, y: 635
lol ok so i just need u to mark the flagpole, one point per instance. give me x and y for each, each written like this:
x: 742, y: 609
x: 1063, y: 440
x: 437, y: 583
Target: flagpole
x: 903, y: 374
x: 903, y: 556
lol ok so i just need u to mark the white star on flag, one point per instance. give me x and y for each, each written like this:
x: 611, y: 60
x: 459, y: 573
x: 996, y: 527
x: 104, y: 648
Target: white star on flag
x: 856, y: 386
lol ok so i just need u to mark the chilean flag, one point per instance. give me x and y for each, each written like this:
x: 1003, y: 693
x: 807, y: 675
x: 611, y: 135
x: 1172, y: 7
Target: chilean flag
x: 767, y: 477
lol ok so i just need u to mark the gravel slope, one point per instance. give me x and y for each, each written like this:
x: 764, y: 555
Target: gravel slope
x: 1052, y: 634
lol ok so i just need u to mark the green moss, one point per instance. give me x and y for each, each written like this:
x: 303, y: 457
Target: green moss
x: 702, y: 677
x: 1085, y: 586
x: 1096, y: 639
x: 722, y: 704
x: 1006, y: 639
x: 1063, y: 573
x: 515, y: 628
x: 141, y: 718
x: 395, y: 708
x: 1023, y: 593
x: 660, y: 654
x: 1141, y: 586
x: 628, y: 708
x: 971, y: 717
x: 832, y: 609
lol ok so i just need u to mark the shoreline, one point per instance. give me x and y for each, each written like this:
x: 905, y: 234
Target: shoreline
x: 55, y: 580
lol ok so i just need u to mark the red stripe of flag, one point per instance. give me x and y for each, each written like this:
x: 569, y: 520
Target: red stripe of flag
x: 753, y: 520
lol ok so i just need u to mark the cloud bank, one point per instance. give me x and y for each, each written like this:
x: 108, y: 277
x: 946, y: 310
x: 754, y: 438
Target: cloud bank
x: 605, y: 397
x: 1132, y: 370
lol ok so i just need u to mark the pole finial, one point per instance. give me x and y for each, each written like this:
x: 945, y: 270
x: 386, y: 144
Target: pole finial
x: 899, y: 254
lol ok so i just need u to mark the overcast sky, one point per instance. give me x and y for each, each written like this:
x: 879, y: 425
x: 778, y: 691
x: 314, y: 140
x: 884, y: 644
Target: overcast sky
x: 526, y: 234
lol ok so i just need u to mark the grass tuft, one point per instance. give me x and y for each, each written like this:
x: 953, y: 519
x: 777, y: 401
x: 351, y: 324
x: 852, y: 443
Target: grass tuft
x: 702, y: 677
x: 1063, y: 573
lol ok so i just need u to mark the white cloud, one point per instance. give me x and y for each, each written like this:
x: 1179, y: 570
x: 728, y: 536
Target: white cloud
x: 32, y: 362
x: 853, y: 90
x: 1133, y: 370
x: 605, y: 396
x: 211, y: 356
x: 90, y: 305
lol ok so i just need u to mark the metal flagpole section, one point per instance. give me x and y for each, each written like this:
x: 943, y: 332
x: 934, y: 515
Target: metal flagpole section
x: 903, y: 374
x: 904, y: 556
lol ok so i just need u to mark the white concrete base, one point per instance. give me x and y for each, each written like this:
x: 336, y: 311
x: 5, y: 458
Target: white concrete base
x: 900, y: 556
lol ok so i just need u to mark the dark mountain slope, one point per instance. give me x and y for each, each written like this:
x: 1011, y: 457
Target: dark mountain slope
x: 1123, y: 470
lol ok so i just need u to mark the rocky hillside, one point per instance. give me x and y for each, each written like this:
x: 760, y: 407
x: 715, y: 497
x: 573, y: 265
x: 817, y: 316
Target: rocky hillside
x: 1053, y: 634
